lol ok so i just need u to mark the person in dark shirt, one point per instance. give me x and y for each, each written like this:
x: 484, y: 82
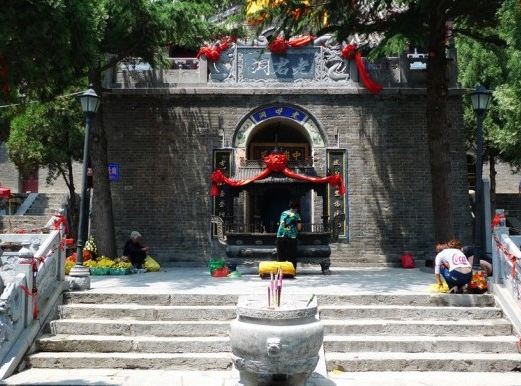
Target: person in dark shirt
x: 134, y: 251
x: 485, y: 262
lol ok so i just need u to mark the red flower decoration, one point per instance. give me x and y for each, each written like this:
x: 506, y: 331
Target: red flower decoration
x: 213, y: 52
x: 278, y: 46
x: 276, y: 162
x: 349, y: 51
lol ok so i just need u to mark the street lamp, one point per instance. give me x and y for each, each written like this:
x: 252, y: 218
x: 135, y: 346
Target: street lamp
x: 480, y: 98
x: 90, y: 102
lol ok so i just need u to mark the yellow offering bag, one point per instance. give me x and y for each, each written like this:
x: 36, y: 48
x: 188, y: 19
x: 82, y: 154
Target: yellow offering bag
x: 151, y: 265
x: 266, y: 268
x: 441, y: 290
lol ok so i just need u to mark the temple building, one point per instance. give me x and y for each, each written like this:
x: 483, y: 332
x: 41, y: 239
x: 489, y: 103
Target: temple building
x: 169, y: 130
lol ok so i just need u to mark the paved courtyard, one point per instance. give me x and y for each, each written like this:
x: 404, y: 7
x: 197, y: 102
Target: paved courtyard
x: 342, y: 281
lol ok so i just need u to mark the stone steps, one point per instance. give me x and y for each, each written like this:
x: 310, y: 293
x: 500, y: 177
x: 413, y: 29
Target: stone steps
x: 409, y: 299
x: 363, y: 332
x: 425, y: 300
x: 144, y: 344
x: 139, y: 327
x: 88, y: 297
x: 482, y: 327
x: 444, y: 361
x: 146, y: 312
x: 46, y: 204
x: 131, y: 360
x: 408, y: 312
x: 419, y: 343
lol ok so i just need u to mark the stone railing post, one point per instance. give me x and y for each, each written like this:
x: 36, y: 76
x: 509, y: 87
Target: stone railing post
x: 25, y: 267
x: 487, y: 216
x: 498, y: 273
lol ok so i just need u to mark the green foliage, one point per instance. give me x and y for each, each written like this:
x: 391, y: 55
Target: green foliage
x: 46, y: 135
x: 499, y: 69
x: 46, y: 44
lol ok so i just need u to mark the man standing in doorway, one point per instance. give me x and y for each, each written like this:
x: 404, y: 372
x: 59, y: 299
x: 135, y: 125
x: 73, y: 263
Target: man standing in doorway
x: 290, y: 225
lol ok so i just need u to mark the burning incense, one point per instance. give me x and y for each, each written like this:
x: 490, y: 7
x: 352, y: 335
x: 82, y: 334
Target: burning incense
x: 269, y: 297
x: 279, y: 287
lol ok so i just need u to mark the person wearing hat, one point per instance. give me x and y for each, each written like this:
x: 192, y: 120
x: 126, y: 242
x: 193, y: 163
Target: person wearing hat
x: 135, y: 252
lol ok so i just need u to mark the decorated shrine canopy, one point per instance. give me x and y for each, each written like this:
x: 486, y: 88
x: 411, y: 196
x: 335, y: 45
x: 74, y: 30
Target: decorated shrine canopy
x: 275, y: 163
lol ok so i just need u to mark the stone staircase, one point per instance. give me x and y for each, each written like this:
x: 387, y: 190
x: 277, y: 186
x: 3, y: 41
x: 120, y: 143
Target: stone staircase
x: 45, y: 204
x: 362, y: 333
x: 182, y: 332
x: 418, y: 333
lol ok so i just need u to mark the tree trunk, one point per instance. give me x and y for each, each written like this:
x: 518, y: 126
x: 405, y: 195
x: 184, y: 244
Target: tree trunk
x: 492, y: 170
x: 437, y: 131
x: 102, y: 216
x: 73, y: 207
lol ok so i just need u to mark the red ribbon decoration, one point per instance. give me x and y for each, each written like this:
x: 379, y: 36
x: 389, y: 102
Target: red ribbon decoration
x: 214, y: 51
x: 497, y: 219
x: 351, y: 52
x: 275, y: 163
x: 59, y: 220
x: 508, y: 256
x: 280, y: 46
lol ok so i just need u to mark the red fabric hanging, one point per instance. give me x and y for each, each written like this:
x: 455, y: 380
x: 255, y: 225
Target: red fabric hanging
x: 280, y: 46
x: 275, y: 163
x: 214, y: 51
x: 351, y: 52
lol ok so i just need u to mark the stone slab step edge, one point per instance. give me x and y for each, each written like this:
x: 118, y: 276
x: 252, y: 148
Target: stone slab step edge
x: 409, y: 312
x: 438, y: 300
x: 111, y: 343
x: 411, y: 299
x: 90, y: 297
x: 139, y: 328
x: 144, y: 312
x: 411, y: 344
x: 43, y: 376
x: 470, y: 327
x: 82, y: 360
x: 399, y: 361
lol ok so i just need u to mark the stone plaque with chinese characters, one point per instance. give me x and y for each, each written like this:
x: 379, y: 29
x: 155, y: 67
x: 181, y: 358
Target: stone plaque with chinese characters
x: 222, y: 159
x: 258, y: 64
x: 293, y: 151
x: 337, y: 163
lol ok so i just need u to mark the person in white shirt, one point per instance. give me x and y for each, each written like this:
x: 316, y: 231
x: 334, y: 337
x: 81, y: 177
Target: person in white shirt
x: 453, y: 265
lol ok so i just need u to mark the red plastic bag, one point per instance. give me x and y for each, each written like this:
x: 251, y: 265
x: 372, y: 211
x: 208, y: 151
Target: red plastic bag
x: 407, y: 260
x: 221, y: 272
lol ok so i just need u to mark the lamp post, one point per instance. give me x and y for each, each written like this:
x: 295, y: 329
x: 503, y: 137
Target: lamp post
x: 480, y: 102
x: 79, y: 274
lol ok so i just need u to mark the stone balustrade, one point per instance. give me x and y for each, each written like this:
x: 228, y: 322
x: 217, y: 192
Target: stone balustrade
x: 23, y: 311
x: 247, y: 66
x: 506, y: 261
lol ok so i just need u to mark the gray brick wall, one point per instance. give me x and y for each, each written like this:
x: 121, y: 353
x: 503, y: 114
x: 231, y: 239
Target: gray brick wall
x: 9, y: 176
x: 164, y: 144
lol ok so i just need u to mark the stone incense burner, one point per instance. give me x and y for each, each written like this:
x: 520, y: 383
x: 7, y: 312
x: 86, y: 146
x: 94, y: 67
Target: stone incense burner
x: 276, y: 344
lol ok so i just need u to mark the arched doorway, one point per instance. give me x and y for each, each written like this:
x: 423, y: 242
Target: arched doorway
x: 271, y: 196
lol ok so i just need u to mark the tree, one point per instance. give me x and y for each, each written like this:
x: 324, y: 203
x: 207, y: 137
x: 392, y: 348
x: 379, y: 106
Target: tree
x: 136, y: 29
x: 49, y: 135
x: 424, y: 23
x: 47, y: 45
x: 497, y: 67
